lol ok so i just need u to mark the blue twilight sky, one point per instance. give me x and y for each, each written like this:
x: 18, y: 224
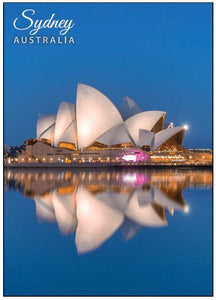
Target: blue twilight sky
x: 160, y: 55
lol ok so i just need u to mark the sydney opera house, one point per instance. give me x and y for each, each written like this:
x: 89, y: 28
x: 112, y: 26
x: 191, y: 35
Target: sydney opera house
x: 93, y: 130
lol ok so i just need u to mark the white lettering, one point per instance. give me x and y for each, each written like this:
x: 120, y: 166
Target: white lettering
x: 25, y: 17
x: 31, y: 40
x: 52, y: 40
x: 16, y: 40
x: 36, y: 25
x: 43, y: 40
x: 71, y: 40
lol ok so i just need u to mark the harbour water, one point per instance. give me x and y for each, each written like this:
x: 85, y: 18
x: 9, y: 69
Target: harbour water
x: 107, y: 232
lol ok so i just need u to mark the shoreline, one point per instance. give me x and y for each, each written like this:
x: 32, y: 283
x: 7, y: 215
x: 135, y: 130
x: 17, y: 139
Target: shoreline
x: 108, y: 165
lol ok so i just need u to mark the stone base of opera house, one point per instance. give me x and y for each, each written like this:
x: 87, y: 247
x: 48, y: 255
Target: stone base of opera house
x: 41, y: 154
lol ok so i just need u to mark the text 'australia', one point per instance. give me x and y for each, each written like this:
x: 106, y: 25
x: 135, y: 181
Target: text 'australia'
x: 43, y: 40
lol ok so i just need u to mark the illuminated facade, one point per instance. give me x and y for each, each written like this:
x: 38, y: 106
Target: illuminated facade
x: 93, y: 130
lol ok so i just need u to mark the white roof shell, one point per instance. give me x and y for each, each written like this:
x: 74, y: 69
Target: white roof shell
x: 65, y: 128
x: 144, y: 197
x: 168, y: 125
x: 46, y: 127
x: 129, y: 108
x: 116, y: 135
x: 144, y: 120
x: 163, y: 135
x: 44, y: 208
x: 118, y: 201
x: 143, y: 214
x: 164, y: 201
x: 145, y: 137
x: 65, y: 212
x: 129, y: 229
x: 96, y: 221
x: 95, y: 115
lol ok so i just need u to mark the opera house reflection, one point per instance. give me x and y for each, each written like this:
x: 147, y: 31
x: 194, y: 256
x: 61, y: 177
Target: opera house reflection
x: 93, y: 204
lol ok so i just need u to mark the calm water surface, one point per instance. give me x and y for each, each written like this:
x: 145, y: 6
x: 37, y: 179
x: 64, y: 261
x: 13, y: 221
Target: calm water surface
x: 108, y: 232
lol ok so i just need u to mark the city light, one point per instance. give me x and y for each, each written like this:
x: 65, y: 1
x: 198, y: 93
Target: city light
x: 186, y: 209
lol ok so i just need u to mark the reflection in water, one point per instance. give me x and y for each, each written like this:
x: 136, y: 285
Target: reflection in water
x: 94, y: 204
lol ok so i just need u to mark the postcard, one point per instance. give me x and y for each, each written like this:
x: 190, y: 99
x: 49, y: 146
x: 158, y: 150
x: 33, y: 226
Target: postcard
x: 108, y: 149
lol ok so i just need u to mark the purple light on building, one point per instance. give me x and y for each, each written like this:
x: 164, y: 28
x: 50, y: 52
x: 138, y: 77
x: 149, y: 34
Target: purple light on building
x: 135, y: 155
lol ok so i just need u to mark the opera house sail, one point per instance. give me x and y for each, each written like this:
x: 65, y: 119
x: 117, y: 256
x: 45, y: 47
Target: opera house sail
x: 93, y: 132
